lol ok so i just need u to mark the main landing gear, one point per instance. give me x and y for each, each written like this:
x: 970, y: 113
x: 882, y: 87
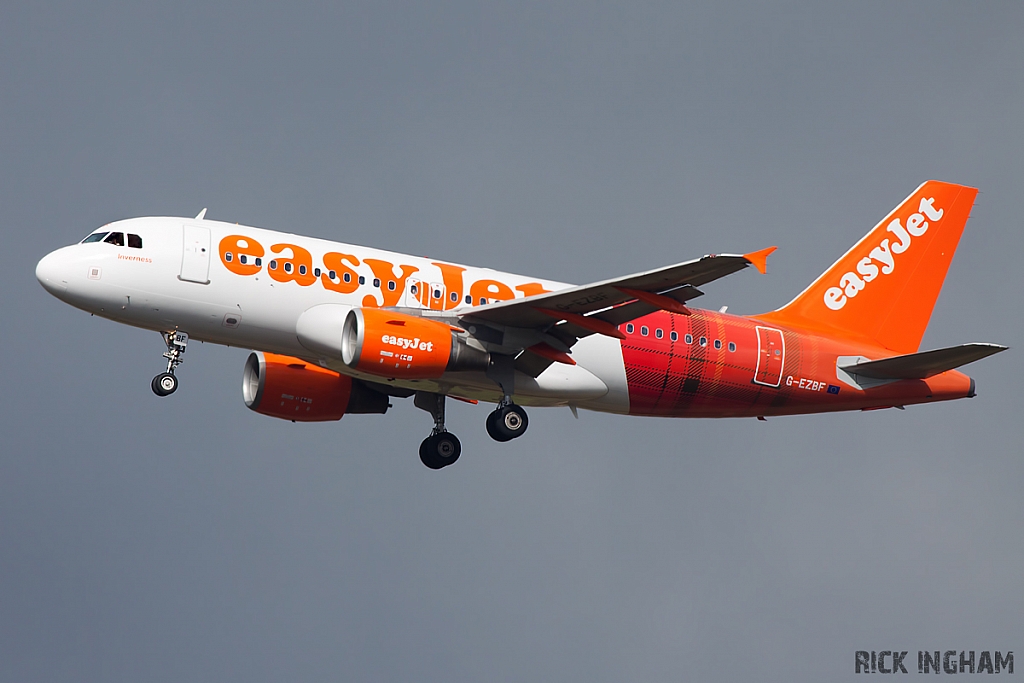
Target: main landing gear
x: 506, y: 422
x: 441, y: 448
x: 166, y: 383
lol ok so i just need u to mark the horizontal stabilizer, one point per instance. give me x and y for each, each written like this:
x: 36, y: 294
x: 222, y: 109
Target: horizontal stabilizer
x: 925, y: 364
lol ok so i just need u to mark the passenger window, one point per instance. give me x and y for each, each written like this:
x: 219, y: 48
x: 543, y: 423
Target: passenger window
x: 302, y: 270
x: 643, y: 330
x: 688, y: 339
x: 718, y: 343
x: 273, y: 264
x: 287, y: 267
x: 630, y: 328
x: 259, y: 261
x: 362, y: 280
x: 732, y: 346
x: 391, y: 285
x: 469, y: 300
x: 227, y: 256
x: 347, y: 278
x: 241, y: 258
x: 455, y: 297
x: 437, y: 293
x: 115, y: 238
x: 316, y: 272
x: 134, y: 241
x: 483, y: 301
x: 703, y: 341
x: 376, y: 282
x: 658, y: 333
x: 95, y: 237
x: 673, y: 335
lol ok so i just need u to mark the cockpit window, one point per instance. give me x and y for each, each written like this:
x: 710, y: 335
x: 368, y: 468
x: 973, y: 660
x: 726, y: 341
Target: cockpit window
x: 116, y: 238
x: 95, y: 237
x: 134, y: 241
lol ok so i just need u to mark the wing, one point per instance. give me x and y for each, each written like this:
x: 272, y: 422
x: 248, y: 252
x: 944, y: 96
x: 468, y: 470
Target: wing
x: 560, y: 318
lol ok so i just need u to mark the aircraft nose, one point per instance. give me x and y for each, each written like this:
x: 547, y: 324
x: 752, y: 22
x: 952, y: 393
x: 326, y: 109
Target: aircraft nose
x: 52, y: 273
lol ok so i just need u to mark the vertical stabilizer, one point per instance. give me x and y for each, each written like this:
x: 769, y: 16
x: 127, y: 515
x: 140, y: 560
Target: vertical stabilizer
x: 883, y: 290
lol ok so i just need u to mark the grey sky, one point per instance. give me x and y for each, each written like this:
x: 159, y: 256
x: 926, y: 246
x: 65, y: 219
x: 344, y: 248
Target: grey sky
x: 190, y: 539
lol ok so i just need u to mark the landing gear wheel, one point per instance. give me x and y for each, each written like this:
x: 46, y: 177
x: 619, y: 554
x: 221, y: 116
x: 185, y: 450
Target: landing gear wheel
x: 440, y: 450
x: 507, y: 423
x: 164, y: 384
x: 492, y: 428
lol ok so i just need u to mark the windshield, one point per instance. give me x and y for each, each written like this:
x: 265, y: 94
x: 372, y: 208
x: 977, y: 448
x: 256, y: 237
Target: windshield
x: 95, y: 237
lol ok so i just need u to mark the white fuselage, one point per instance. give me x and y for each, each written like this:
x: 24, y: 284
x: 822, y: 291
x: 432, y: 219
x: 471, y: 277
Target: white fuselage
x: 202, y: 277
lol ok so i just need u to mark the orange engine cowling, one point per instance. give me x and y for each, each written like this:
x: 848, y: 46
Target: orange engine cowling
x: 292, y: 389
x: 393, y: 344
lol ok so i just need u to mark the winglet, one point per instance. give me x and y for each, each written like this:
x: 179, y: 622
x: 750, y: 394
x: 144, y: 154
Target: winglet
x: 759, y: 259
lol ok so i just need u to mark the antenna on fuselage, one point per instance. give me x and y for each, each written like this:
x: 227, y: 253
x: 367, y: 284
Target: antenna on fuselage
x: 202, y: 215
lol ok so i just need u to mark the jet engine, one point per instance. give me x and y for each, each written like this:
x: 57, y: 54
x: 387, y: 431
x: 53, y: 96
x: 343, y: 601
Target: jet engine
x: 292, y: 389
x: 393, y: 344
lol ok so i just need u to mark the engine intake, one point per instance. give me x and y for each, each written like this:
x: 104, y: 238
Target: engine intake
x: 292, y: 389
x: 391, y: 344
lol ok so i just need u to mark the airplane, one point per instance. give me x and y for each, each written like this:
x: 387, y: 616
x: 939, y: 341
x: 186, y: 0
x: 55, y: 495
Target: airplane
x: 341, y: 329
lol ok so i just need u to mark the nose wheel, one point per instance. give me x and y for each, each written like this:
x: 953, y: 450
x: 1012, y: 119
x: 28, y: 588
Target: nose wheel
x: 166, y: 383
x: 507, y: 422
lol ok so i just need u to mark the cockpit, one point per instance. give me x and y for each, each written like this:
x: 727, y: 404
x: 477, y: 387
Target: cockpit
x: 115, y: 238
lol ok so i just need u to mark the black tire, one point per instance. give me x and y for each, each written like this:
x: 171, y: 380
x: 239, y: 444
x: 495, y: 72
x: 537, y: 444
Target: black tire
x: 492, y: 428
x: 440, y: 450
x: 508, y: 423
x: 164, y: 384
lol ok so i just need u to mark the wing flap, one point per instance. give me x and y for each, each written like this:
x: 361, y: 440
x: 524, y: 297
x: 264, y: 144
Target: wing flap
x: 670, y: 281
x: 925, y: 364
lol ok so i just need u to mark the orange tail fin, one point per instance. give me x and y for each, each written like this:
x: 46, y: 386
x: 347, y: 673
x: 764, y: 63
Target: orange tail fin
x: 884, y: 289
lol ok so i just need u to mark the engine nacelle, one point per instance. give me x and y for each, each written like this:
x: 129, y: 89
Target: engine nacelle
x: 292, y: 389
x: 393, y: 344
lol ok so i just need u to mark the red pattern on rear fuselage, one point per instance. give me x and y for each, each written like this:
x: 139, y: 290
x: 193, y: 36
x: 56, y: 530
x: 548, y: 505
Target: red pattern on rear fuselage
x: 669, y: 378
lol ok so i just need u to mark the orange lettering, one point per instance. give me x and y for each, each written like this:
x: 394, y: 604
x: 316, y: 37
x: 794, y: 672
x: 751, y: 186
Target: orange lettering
x: 532, y: 289
x: 452, y: 276
x: 239, y: 253
x: 336, y: 262
x: 385, y: 272
x: 298, y: 268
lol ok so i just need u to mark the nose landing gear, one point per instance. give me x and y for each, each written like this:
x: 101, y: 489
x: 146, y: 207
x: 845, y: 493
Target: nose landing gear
x: 441, y: 448
x: 166, y: 383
